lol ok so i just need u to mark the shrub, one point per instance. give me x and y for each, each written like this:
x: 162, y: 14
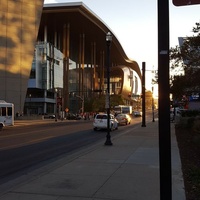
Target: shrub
x: 190, y: 122
x: 190, y: 113
x: 196, y: 125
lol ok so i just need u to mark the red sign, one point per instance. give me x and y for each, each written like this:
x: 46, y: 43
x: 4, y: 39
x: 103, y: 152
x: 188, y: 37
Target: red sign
x: 185, y: 2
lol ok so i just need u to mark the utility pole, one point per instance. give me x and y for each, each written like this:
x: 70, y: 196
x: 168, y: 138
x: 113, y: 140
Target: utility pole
x: 164, y: 101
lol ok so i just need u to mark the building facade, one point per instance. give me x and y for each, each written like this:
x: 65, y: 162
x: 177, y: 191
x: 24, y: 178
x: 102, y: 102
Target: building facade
x: 69, y: 57
x: 19, y: 30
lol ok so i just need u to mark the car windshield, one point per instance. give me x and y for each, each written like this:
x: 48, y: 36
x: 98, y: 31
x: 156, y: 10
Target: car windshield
x: 101, y: 117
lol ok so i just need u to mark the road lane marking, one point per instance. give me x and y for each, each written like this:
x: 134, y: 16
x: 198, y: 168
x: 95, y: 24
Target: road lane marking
x: 27, y: 143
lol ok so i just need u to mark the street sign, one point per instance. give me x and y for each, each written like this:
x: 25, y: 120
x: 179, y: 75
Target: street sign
x: 194, y: 97
x: 185, y: 2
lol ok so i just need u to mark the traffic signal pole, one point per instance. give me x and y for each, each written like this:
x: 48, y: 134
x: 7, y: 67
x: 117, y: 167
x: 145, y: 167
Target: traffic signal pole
x: 164, y: 101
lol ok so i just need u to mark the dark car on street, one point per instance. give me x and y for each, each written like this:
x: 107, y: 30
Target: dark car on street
x: 71, y: 116
x: 137, y: 113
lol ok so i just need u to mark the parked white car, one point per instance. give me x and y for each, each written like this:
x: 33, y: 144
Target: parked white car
x: 100, y: 122
x: 123, y: 118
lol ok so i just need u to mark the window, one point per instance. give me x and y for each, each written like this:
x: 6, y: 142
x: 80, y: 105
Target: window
x: 3, y: 113
x: 9, y: 111
x: 32, y: 74
x: 101, y: 117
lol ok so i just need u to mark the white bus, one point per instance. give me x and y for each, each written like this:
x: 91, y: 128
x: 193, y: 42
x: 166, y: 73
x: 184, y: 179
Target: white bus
x: 6, y: 113
x: 123, y: 109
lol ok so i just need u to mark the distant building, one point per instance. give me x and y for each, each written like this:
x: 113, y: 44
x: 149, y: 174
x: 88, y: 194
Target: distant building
x: 46, y: 80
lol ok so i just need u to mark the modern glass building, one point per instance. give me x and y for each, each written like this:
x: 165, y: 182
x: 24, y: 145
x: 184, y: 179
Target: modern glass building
x: 64, y: 53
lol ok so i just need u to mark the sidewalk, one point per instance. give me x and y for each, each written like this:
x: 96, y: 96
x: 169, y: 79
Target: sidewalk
x: 128, y: 170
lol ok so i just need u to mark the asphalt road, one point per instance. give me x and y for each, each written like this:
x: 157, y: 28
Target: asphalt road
x: 29, y: 145
x: 23, y: 147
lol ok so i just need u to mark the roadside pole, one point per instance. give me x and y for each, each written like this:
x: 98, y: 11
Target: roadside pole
x: 164, y: 101
x: 143, y: 95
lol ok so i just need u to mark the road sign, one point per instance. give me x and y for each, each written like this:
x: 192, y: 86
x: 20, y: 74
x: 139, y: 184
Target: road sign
x: 185, y: 2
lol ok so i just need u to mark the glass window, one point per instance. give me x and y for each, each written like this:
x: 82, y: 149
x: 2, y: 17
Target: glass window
x: 9, y: 111
x: 32, y: 74
x: 101, y: 117
x: 3, y: 111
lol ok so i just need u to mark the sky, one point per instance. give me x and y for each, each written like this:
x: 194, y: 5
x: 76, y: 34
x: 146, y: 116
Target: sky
x: 134, y: 23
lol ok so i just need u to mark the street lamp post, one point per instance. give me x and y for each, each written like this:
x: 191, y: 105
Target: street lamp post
x: 143, y: 95
x: 153, y: 120
x: 108, y: 43
x: 153, y: 107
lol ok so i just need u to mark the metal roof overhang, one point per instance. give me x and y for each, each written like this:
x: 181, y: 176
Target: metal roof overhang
x: 83, y: 21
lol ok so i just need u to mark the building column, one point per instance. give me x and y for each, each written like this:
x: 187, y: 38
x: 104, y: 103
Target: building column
x: 92, y: 70
x: 93, y: 63
x: 102, y: 64
x: 94, y: 56
x: 66, y: 43
x: 81, y: 63
x: 79, y: 66
x: 45, y: 43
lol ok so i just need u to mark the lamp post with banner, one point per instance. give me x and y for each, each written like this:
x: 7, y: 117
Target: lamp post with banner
x: 153, y: 120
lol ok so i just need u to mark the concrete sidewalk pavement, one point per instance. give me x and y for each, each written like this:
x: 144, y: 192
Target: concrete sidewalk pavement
x: 128, y: 170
